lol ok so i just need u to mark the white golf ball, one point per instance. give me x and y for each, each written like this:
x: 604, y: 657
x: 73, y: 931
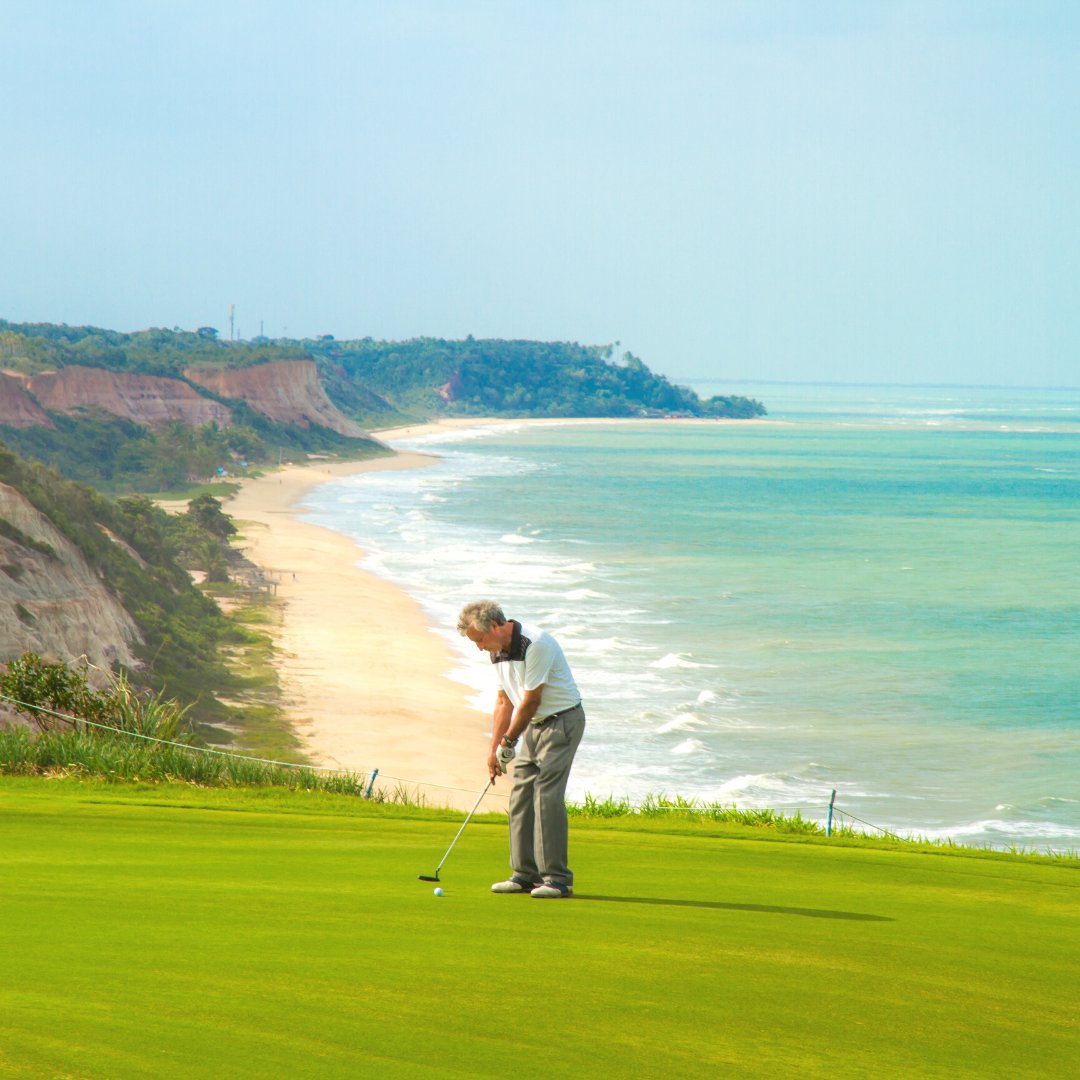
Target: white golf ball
x: 438, y: 892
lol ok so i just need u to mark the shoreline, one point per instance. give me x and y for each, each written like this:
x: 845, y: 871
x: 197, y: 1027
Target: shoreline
x: 364, y: 677
x: 878, y: 802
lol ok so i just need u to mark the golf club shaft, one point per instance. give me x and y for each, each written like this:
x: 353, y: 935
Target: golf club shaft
x: 463, y: 824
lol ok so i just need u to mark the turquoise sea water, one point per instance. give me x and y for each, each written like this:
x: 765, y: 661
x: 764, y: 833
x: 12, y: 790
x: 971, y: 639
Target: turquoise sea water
x: 877, y: 592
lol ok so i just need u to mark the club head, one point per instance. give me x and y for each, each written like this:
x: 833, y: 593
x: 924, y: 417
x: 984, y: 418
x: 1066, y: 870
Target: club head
x: 428, y: 877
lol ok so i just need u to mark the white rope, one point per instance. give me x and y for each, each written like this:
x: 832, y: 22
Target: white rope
x: 707, y: 808
x: 869, y: 825
x: 674, y: 808
x: 75, y: 720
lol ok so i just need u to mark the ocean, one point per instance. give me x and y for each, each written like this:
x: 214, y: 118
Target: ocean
x: 874, y: 592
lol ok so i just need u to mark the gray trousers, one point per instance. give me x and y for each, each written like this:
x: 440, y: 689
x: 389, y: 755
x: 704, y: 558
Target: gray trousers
x: 539, y: 830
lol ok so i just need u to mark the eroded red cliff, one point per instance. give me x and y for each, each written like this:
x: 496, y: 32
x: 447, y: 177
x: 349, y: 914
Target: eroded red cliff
x: 17, y: 408
x: 287, y: 391
x: 146, y: 399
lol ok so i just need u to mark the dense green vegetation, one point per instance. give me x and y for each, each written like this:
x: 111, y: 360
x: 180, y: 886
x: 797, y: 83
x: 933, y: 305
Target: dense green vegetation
x: 31, y: 348
x: 184, y: 631
x: 376, y: 381
x: 284, y: 933
x: 117, y: 455
x: 518, y: 378
x: 112, y: 453
x: 56, y: 697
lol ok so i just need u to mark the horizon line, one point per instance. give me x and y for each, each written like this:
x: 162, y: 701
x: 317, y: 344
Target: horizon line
x: 880, y: 385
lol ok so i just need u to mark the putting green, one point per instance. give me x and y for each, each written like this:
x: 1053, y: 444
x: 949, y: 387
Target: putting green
x: 174, y: 932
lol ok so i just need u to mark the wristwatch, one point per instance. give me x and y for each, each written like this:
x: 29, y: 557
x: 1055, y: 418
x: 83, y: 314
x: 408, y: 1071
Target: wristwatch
x: 507, y: 741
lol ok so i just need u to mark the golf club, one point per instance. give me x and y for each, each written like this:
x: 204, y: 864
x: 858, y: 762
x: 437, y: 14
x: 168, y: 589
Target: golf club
x: 429, y: 877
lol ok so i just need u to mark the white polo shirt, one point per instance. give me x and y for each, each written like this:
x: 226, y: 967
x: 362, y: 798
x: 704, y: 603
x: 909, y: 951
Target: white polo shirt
x: 534, y: 659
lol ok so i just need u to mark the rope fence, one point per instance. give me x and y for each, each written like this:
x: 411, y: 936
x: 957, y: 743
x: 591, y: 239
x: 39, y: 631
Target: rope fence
x: 76, y: 722
x: 835, y: 816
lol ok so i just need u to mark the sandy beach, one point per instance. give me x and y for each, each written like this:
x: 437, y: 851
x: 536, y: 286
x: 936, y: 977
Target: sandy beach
x: 364, y: 675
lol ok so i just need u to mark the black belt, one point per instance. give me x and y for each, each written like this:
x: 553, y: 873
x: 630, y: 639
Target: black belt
x: 556, y: 715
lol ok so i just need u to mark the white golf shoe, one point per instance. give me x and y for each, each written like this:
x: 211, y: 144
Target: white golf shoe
x: 552, y: 890
x: 513, y: 886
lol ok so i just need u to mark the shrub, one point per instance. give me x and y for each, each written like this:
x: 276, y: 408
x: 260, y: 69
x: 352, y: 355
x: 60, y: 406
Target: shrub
x: 53, y: 695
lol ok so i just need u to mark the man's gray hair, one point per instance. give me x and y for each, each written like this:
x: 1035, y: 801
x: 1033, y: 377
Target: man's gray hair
x: 481, y: 614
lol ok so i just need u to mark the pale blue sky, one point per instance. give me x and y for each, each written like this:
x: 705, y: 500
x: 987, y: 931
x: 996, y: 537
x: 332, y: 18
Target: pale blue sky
x: 872, y: 191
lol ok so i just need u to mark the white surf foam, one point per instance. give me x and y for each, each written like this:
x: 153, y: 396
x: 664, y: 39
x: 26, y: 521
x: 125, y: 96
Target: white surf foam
x: 688, y: 746
x: 674, y: 660
x: 1001, y: 832
x: 681, y: 722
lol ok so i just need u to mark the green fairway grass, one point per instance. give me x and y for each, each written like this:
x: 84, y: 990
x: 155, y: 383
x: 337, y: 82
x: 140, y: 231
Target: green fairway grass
x: 169, y: 931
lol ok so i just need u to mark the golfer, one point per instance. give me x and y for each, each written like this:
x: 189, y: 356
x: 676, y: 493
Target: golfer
x: 539, y: 719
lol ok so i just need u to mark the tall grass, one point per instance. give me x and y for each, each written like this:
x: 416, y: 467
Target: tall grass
x: 689, y: 811
x: 654, y: 807
x: 118, y: 757
x: 120, y: 734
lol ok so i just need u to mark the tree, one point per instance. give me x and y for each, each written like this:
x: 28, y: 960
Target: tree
x: 209, y: 555
x: 205, y: 511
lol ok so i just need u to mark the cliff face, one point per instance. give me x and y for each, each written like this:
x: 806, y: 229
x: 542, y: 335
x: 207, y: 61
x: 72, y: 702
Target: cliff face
x: 56, y: 607
x: 17, y: 407
x: 146, y: 399
x: 286, y: 391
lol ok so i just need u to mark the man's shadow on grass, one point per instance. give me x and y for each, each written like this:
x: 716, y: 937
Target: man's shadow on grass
x: 720, y: 905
